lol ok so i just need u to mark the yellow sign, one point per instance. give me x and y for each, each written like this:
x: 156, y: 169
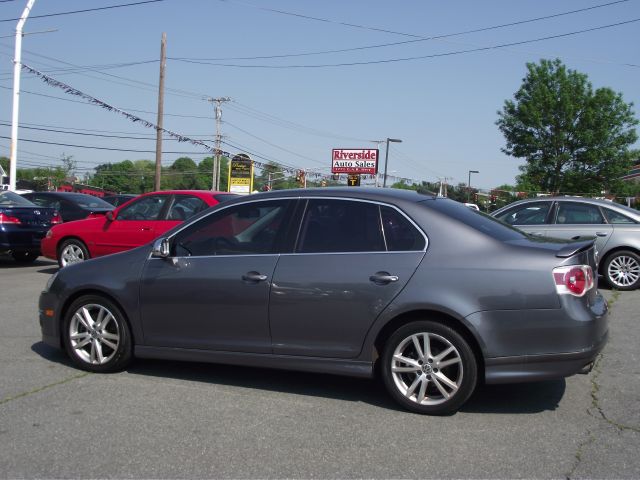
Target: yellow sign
x: 241, y: 174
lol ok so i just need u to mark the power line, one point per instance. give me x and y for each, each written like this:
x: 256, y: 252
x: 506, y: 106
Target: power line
x: 422, y: 57
x: 99, y: 148
x: 416, y: 38
x: 85, y: 103
x: 122, y: 137
x: 67, y: 129
x: 83, y: 11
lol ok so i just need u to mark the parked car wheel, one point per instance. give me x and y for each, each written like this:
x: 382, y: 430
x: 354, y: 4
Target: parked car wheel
x: 622, y: 270
x: 24, y: 257
x: 72, y: 251
x: 96, y: 335
x: 429, y: 368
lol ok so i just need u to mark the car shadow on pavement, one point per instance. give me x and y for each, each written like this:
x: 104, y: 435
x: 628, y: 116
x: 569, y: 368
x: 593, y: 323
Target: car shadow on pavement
x: 513, y: 399
x: 52, y: 354
x: 525, y: 398
x: 532, y: 397
x: 8, y: 262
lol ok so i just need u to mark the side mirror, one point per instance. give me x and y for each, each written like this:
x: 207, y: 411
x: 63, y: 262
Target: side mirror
x: 160, y: 248
x: 110, y: 216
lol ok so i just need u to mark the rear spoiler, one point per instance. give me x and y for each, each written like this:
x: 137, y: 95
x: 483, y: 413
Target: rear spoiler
x: 575, y: 247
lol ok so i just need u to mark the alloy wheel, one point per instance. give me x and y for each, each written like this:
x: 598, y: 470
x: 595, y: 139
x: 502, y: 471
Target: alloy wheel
x: 427, y: 368
x: 623, y: 271
x: 71, y: 254
x: 94, y: 334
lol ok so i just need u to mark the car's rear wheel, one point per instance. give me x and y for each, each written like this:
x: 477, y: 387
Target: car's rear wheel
x: 72, y: 251
x: 429, y: 368
x: 96, y: 335
x: 622, y: 270
x: 25, y: 257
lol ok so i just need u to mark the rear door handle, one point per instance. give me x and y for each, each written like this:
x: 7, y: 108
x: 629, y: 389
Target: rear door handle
x: 145, y: 229
x: 254, y: 277
x: 383, y: 278
x: 602, y: 234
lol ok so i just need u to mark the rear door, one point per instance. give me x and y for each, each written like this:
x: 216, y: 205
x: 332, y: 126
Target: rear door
x: 351, y: 259
x: 578, y: 220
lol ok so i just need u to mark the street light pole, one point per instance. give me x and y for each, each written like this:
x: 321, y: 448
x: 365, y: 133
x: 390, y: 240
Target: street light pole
x: 469, y: 184
x: 386, y: 159
x: 17, y: 67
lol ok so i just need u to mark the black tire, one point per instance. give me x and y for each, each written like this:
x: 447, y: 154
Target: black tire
x: 622, y: 270
x: 25, y: 257
x: 418, y: 386
x: 97, y: 347
x: 72, y: 251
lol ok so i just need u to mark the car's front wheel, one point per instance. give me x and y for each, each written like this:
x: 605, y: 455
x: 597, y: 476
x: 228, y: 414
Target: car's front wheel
x: 72, y: 251
x: 96, y: 335
x: 622, y: 270
x: 429, y: 368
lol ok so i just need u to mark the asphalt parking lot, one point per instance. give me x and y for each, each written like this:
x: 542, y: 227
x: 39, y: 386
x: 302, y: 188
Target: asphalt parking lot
x: 163, y: 419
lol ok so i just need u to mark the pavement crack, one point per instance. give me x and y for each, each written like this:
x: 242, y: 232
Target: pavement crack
x: 44, y: 387
x: 595, y: 400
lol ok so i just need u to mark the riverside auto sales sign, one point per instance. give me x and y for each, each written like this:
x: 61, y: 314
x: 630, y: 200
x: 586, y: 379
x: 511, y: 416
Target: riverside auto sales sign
x: 354, y: 160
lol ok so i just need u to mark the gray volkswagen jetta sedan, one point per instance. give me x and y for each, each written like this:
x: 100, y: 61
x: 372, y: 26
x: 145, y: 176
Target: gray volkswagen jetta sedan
x: 432, y: 296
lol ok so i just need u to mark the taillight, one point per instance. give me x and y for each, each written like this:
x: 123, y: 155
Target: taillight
x: 56, y: 219
x: 6, y: 219
x: 573, y: 280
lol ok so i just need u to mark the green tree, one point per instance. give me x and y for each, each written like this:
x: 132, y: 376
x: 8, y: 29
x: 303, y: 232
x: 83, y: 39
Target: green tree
x: 574, y: 139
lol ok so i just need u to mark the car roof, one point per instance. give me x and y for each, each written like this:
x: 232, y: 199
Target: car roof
x: 364, y: 193
x: 592, y: 201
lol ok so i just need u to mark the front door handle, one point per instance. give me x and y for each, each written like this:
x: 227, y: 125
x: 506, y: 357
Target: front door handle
x: 254, y: 277
x: 602, y: 234
x: 145, y: 229
x: 383, y: 278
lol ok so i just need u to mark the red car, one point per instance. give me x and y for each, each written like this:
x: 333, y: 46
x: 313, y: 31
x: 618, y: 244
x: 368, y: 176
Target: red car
x: 131, y: 225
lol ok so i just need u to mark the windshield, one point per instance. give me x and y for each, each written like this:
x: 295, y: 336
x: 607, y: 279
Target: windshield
x: 11, y: 199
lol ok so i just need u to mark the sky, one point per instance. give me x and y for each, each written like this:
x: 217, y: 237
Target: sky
x: 305, y: 98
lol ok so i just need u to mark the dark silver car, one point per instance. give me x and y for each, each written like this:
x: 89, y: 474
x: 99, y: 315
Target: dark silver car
x: 432, y: 295
x: 616, y: 229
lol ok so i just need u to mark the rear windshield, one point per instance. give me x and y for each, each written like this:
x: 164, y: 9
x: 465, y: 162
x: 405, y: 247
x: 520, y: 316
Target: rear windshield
x: 11, y: 199
x: 479, y: 221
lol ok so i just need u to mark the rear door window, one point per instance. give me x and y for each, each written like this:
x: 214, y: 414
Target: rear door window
x: 335, y: 226
x: 573, y: 213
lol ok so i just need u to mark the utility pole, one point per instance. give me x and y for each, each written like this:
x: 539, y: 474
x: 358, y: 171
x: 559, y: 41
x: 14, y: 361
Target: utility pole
x: 17, y: 67
x: 215, y: 184
x: 163, y: 64
x: 469, y: 185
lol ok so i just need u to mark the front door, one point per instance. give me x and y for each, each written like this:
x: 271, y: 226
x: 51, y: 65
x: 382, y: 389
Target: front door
x: 133, y: 225
x: 213, y: 290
